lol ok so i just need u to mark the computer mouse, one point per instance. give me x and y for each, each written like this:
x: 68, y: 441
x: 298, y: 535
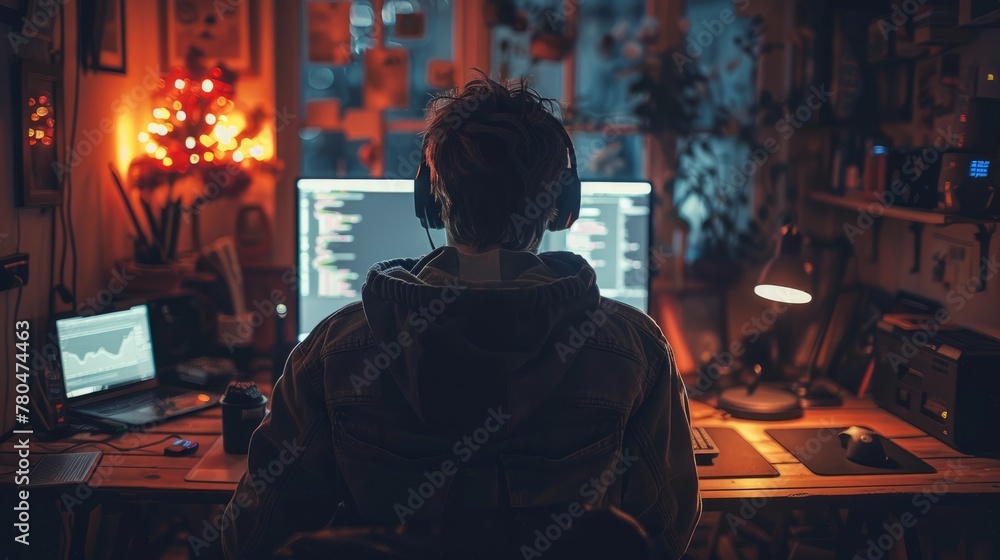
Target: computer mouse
x: 181, y: 447
x: 864, y: 447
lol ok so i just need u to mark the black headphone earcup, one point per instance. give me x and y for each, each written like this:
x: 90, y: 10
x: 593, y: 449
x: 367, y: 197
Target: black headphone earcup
x: 425, y: 206
x: 568, y: 198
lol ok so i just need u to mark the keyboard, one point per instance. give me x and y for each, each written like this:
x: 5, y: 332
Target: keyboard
x: 704, y: 448
x: 63, y: 468
x: 154, y: 405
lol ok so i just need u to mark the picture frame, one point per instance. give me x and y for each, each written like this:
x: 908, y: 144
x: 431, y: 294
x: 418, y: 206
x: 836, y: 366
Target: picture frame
x: 102, y: 35
x: 42, y: 31
x: 209, y: 33
x: 38, y: 117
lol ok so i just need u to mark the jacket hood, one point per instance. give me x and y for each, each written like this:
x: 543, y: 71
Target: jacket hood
x: 469, y: 334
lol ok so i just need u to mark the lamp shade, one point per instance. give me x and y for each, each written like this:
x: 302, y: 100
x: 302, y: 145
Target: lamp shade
x: 784, y: 278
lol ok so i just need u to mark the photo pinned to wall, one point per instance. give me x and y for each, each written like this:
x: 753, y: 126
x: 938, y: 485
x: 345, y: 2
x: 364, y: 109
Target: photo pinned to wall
x: 37, y: 153
x: 207, y: 33
x: 102, y: 35
x: 387, y: 78
x: 441, y: 74
x: 329, y: 33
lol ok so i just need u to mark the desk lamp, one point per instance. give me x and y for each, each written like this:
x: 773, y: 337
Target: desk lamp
x: 785, y: 278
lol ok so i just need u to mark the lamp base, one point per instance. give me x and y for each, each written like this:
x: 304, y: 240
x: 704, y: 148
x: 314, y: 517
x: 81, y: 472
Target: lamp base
x: 765, y: 403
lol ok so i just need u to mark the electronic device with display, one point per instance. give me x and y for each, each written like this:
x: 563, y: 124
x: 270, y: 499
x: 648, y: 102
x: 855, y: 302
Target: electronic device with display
x: 347, y: 225
x: 968, y: 184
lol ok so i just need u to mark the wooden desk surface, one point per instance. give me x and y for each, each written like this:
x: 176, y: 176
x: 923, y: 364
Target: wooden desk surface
x: 148, y: 475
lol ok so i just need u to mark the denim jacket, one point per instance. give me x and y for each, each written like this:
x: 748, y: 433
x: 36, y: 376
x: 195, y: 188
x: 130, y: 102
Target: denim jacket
x: 463, y: 385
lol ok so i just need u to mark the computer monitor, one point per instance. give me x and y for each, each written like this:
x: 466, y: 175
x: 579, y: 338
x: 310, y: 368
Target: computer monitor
x: 104, y: 352
x: 347, y: 225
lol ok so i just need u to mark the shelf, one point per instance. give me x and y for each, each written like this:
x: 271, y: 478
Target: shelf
x: 918, y: 218
x: 916, y: 215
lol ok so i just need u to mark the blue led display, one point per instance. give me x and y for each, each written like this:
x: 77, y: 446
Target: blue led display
x: 979, y: 168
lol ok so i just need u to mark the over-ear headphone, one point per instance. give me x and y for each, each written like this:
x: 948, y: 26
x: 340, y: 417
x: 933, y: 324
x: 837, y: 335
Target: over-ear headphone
x: 566, y: 190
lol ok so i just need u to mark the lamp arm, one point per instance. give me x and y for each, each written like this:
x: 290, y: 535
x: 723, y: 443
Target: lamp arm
x: 831, y: 301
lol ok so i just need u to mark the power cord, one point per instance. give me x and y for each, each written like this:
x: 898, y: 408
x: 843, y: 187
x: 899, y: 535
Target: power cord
x: 107, y: 441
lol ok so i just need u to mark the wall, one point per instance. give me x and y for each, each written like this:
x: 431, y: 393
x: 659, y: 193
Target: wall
x: 117, y: 103
x: 895, y: 257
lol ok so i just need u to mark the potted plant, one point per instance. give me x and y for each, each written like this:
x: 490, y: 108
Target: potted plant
x: 679, y: 104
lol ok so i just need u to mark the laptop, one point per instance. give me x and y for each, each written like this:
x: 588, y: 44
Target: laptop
x: 109, y: 374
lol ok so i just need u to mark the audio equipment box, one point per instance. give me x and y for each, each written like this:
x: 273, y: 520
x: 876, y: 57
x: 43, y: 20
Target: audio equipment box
x: 945, y: 381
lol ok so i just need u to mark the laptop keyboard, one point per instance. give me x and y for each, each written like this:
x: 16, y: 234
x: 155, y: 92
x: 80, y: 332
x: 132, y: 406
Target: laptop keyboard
x: 63, y: 468
x: 125, y: 403
x: 152, y: 404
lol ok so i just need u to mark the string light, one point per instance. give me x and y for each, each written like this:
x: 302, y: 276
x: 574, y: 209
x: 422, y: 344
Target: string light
x: 197, y: 126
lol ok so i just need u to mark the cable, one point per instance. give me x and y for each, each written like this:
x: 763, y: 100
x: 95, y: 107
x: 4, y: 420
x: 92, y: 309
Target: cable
x: 429, y: 240
x: 427, y: 229
x: 69, y: 175
x: 107, y: 442
x: 17, y: 302
x: 17, y: 245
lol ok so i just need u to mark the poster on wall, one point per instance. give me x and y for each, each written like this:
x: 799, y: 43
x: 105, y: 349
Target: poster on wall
x: 329, y: 33
x: 102, y: 35
x: 387, y: 78
x: 209, y: 33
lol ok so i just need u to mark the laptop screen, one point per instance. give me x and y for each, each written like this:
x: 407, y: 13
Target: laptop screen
x: 347, y: 225
x: 103, y: 352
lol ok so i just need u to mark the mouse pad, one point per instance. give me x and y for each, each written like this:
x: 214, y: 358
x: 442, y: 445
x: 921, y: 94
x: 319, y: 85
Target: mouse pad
x: 737, y: 458
x: 218, y: 466
x: 820, y: 451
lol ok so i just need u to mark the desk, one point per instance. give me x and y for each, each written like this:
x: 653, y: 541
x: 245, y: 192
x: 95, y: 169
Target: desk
x: 148, y: 476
